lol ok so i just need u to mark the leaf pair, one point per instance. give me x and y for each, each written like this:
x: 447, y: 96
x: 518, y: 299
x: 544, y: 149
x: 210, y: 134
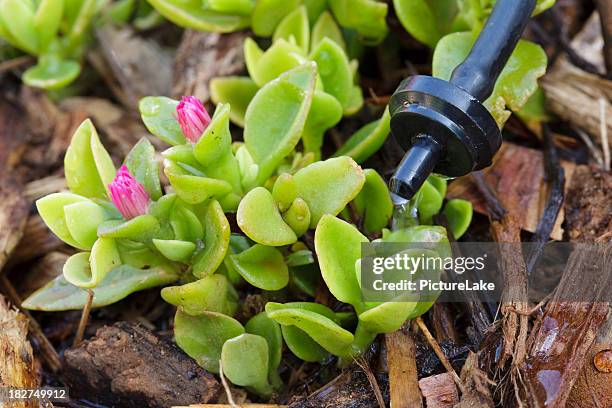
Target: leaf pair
x: 249, y: 355
x: 298, y: 201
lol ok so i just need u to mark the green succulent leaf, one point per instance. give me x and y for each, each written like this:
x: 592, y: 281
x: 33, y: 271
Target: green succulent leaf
x: 262, y: 266
x: 459, y: 215
x: 142, y: 164
x: 374, y: 202
x: 302, y: 345
x: 295, y: 27
x: 212, y: 293
x: 59, y: 295
x: 197, y: 189
x: 517, y: 82
x: 389, y: 316
x: 281, y: 57
x: 263, y: 326
x: 367, y: 140
x: 51, y: 73
x: 141, y: 228
x: 202, y: 337
x: 235, y: 91
x: 245, y: 362
x: 326, y: 27
x: 51, y: 210
x: 87, y: 270
x: 18, y: 20
x: 192, y: 14
x: 275, y: 118
x: 328, y: 186
x: 323, y: 330
x: 426, y: 21
x: 175, y: 250
x: 159, y: 116
x: 334, y: 70
x: 298, y: 216
x: 338, y: 247
x: 367, y: 17
x: 82, y: 219
x: 242, y: 7
x: 284, y: 191
x: 429, y: 202
x: 269, y: 13
x: 87, y: 165
x: 216, y: 240
x: 259, y: 218
x: 325, y: 112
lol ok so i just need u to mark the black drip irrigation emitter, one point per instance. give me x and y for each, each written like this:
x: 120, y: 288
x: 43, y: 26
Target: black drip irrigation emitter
x: 443, y: 125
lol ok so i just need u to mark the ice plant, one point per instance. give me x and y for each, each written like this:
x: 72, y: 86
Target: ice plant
x: 128, y: 195
x: 193, y: 118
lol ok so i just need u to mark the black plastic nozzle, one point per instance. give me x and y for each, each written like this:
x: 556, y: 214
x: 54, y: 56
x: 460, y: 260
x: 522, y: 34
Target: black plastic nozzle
x: 445, y: 122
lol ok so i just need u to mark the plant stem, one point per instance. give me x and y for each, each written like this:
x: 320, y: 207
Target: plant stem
x: 84, y: 319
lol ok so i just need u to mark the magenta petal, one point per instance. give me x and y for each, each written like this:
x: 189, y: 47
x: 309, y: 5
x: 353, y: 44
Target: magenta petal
x: 128, y: 195
x: 192, y: 117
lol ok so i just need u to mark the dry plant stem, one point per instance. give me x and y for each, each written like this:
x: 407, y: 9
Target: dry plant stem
x: 15, y: 63
x: 494, y: 206
x: 438, y: 350
x: 595, y: 152
x: 361, y: 362
x: 46, y: 349
x: 84, y: 319
x: 603, y: 129
x: 555, y: 175
x: 605, y: 14
x: 228, y: 391
x: 403, y: 372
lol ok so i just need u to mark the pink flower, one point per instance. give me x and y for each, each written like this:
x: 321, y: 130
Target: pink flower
x: 128, y: 195
x: 193, y: 118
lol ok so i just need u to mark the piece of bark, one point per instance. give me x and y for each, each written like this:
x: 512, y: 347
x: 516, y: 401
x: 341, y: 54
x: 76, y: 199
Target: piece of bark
x: 139, y: 65
x: 230, y: 406
x: 18, y: 367
x: 42, y: 272
x: 588, y: 206
x: 202, y: 56
x: 403, y: 373
x: 37, y: 240
x: 126, y: 365
x: 476, y: 384
x: 604, y: 7
x: 561, y: 339
x: 516, y: 176
x: 439, y: 391
x: 351, y: 389
x: 13, y: 217
x: 39, y: 188
x: 442, y: 321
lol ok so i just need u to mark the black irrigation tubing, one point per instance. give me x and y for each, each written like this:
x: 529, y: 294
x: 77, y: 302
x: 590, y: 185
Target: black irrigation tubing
x: 555, y: 176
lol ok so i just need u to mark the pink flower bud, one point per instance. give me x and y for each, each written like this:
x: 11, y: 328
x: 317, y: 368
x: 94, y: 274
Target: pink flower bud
x: 128, y: 195
x: 193, y: 118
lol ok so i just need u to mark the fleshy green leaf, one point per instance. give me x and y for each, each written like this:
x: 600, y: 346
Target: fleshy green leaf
x: 328, y: 186
x: 430, y: 202
x: 141, y: 228
x: 159, y: 116
x: 426, y: 21
x: 275, y: 118
x: 302, y: 345
x: 235, y: 91
x: 175, y: 250
x: 202, y: 337
x: 192, y: 14
x: 269, y: 13
x: 142, y: 165
x: 326, y: 27
x: 321, y: 329
x: 245, y: 362
x: 263, y: 326
x: 258, y: 217
x: 334, y: 70
x: 216, y: 240
x: 367, y: 140
x: 87, y: 165
x: 284, y: 191
x: 196, y: 189
x: 281, y: 57
x: 338, y: 247
x: 389, y: 316
x: 459, y: 215
x: 59, y: 295
x: 51, y: 210
x: 212, y: 293
x: 82, y: 219
x: 47, y: 21
x: 325, y: 112
x: 18, y: 18
x: 367, y: 17
x: 262, y: 266
x: 295, y: 26
x: 298, y: 216
x: 374, y: 202
x: 517, y: 82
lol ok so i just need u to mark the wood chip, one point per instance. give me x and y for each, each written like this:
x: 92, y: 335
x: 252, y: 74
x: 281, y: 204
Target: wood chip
x: 18, y: 367
x: 126, y: 365
x: 36, y: 241
x: 203, y: 56
x: 516, y: 176
x: 439, y: 391
x: 403, y: 373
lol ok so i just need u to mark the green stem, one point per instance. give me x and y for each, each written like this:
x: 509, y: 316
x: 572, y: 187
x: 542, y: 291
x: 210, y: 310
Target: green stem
x: 363, y: 338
